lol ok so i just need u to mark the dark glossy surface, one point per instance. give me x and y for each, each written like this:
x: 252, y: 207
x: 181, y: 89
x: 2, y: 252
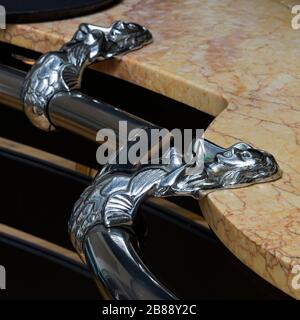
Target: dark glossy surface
x: 11, y: 81
x: 120, y: 272
x: 205, y: 278
x: 38, y: 198
x: 194, y: 264
x: 83, y: 115
x: 32, y: 274
x: 188, y: 260
x: 19, y: 11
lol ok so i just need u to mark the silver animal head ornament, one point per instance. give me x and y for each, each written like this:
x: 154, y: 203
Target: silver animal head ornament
x: 241, y: 164
x: 115, y: 195
x: 237, y: 166
x: 61, y: 71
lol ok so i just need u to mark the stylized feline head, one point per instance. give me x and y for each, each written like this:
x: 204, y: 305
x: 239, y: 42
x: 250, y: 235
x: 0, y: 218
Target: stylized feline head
x: 123, y: 37
x: 242, y: 164
x: 87, y: 43
x: 100, y: 42
x: 238, y: 166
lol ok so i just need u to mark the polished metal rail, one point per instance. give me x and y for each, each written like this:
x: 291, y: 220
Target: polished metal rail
x: 85, y: 116
x: 113, y: 258
x: 11, y: 83
x: 101, y: 236
x: 104, y: 248
x: 72, y: 111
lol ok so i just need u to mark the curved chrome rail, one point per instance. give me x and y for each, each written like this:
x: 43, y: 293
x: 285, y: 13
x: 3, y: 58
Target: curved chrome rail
x: 103, y: 221
x: 61, y: 71
x: 120, y: 272
x: 116, y: 193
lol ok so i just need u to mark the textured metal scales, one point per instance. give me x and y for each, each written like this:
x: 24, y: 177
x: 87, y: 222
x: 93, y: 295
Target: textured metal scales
x: 114, y: 196
x: 61, y: 71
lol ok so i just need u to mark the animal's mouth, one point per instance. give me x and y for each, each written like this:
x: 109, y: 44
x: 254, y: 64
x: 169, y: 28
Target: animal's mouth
x: 134, y: 40
x: 144, y: 36
x: 129, y: 34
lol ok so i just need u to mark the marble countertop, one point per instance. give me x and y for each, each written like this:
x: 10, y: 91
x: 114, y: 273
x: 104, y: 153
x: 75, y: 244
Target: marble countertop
x: 238, y: 61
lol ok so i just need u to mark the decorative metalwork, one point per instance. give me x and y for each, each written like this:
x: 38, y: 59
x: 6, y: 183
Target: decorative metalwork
x: 61, y: 71
x: 115, y: 194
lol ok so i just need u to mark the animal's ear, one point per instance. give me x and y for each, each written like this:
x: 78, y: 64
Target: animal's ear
x: 96, y: 43
x: 81, y: 33
x: 94, y: 51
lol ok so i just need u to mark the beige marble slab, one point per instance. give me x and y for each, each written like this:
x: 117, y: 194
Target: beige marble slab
x: 239, y: 61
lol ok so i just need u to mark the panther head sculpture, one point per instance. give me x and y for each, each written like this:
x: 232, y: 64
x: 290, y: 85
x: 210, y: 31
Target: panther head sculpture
x: 115, y: 194
x: 61, y: 70
x: 104, y: 43
x: 124, y: 37
x: 237, y: 166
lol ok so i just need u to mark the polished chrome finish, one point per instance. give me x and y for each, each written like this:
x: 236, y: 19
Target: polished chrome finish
x: 115, y: 195
x: 178, y: 213
x: 61, y: 71
x: 120, y: 273
x: 112, y: 200
x: 11, y: 82
x: 85, y: 116
x: 72, y: 111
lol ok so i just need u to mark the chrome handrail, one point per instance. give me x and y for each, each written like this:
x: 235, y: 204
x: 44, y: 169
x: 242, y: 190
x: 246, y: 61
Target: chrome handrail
x: 103, y: 219
x: 84, y: 116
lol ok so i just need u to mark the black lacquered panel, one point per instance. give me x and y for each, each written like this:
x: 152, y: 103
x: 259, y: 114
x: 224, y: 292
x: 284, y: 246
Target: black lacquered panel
x: 18, y: 11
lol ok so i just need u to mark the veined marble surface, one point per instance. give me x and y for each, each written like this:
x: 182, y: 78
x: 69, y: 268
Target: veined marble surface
x: 239, y: 61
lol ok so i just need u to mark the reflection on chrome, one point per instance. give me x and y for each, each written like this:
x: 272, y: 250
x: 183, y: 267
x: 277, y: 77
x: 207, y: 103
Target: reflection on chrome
x: 116, y: 193
x: 61, y: 71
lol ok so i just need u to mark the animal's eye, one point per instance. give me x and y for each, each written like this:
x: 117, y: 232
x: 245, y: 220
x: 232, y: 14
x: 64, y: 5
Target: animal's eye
x: 131, y: 26
x: 246, y: 155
